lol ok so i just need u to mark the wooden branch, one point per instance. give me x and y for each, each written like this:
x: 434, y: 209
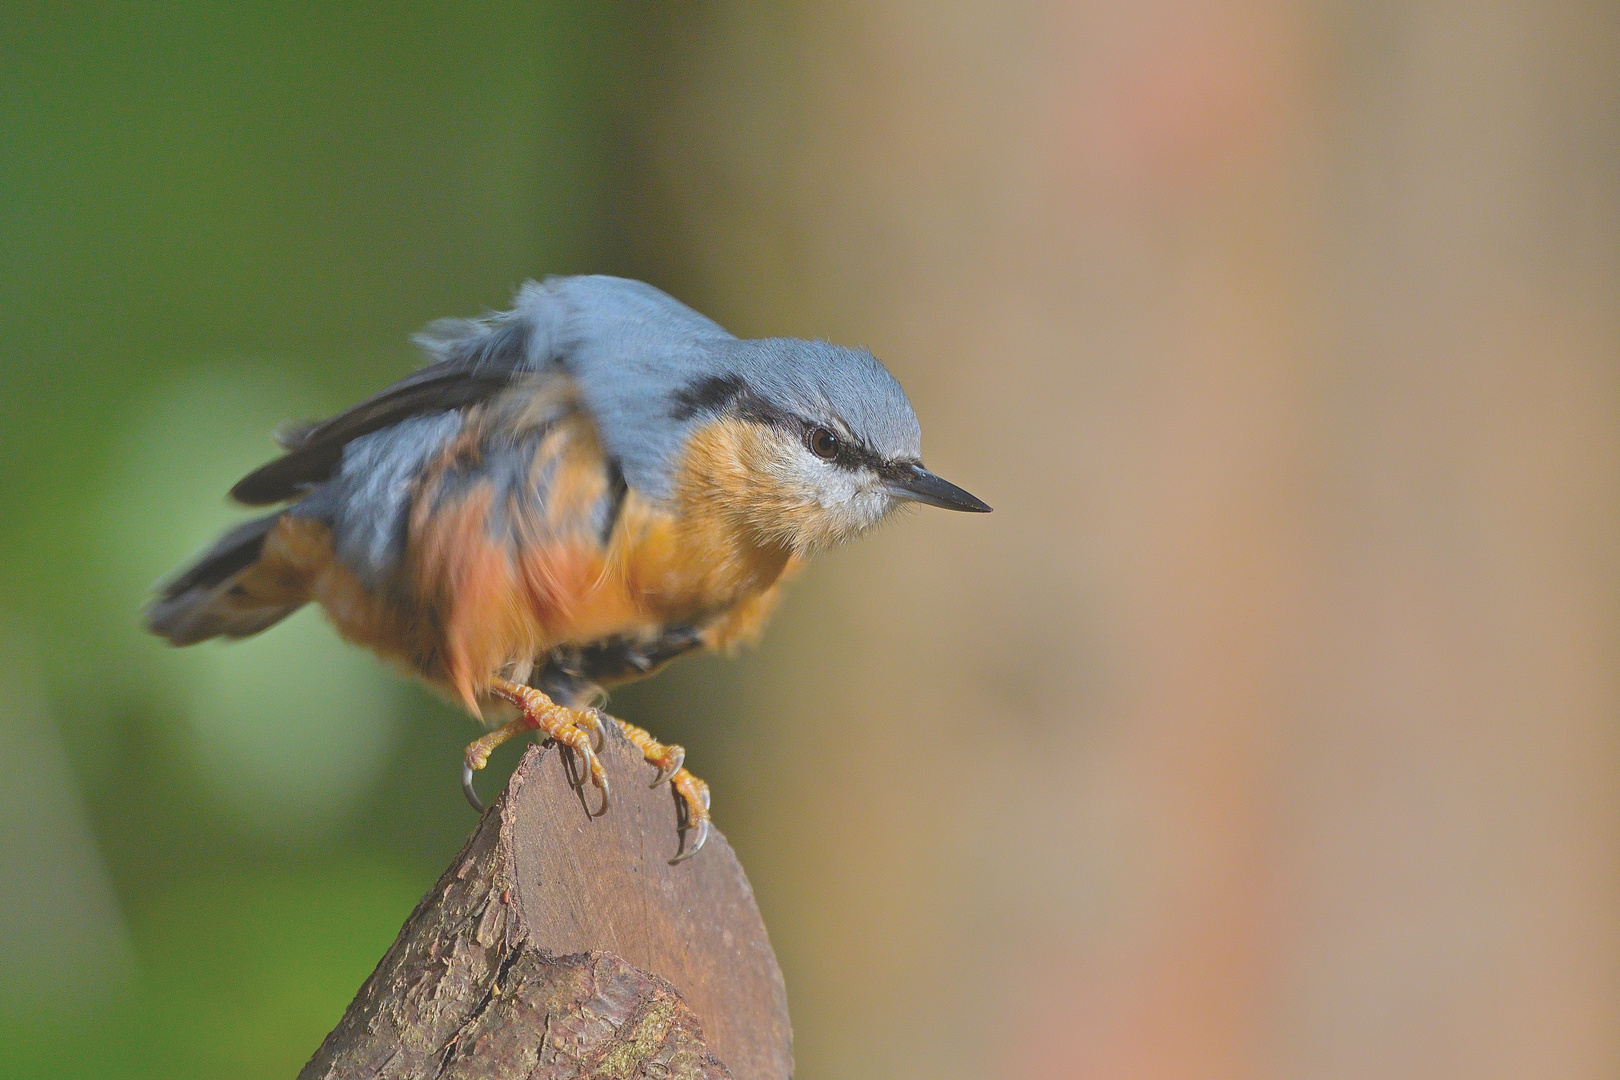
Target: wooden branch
x: 557, y: 946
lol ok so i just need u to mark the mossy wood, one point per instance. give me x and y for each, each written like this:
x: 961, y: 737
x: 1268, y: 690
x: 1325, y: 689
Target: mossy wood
x: 558, y: 945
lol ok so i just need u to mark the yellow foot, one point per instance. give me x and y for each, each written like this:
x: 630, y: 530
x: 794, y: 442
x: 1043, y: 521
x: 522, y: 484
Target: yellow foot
x: 566, y: 727
x: 694, y: 793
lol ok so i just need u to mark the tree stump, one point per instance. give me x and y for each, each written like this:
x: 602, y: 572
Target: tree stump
x: 558, y: 945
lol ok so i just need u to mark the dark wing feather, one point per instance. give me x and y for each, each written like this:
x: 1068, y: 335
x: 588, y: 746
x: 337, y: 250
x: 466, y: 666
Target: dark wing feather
x: 471, y: 374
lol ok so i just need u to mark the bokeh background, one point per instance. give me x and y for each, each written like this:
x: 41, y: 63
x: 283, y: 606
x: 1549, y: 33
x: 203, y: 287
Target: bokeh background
x: 1269, y: 728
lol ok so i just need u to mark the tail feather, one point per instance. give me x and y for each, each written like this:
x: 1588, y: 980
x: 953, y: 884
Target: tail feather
x: 216, y: 595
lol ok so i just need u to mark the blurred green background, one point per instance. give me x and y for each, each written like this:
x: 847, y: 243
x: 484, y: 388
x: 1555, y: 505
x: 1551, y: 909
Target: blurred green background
x: 1270, y: 727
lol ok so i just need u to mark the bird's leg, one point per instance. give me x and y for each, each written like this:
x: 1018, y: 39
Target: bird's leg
x: 694, y: 793
x: 539, y: 712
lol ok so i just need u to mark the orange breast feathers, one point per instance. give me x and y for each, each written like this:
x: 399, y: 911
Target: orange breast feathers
x: 522, y: 537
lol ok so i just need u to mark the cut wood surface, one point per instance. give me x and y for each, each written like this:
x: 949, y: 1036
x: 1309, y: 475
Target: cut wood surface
x: 558, y: 945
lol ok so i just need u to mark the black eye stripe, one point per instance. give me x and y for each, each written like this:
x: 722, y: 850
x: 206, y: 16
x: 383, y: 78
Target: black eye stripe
x: 731, y: 394
x: 709, y: 395
x: 849, y: 454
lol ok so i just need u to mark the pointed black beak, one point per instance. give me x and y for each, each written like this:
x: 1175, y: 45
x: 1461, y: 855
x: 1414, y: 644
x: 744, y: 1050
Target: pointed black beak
x: 917, y: 484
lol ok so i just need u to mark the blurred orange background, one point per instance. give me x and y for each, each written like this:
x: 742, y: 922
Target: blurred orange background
x: 1268, y: 728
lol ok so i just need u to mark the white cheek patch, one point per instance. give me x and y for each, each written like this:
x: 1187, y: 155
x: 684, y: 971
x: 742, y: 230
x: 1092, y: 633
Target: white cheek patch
x: 837, y: 488
x: 854, y: 502
x: 849, y: 503
x: 868, y: 508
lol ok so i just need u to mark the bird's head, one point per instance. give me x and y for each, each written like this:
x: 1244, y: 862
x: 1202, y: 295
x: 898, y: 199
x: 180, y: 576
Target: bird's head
x: 806, y: 444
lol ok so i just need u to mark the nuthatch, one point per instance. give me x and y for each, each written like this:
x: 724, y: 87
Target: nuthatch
x: 566, y: 497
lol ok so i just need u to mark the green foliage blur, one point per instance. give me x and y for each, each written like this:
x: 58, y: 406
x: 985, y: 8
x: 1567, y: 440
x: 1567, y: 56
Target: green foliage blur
x: 214, y: 217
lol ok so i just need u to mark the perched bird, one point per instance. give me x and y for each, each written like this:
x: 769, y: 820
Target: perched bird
x: 569, y: 495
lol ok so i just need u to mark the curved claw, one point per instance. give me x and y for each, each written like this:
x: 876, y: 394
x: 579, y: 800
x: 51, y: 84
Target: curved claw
x: 697, y: 845
x: 600, y: 719
x: 467, y: 787
x: 671, y: 766
x: 589, y: 770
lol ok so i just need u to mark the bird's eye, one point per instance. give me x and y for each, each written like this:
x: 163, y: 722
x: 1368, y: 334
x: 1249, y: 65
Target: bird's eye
x: 823, y: 443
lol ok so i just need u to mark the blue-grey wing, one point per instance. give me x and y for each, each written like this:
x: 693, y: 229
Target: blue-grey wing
x: 552, y: 324
x: 314, y: 451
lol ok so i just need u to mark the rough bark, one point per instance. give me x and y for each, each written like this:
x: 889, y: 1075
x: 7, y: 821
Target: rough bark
x: 560, y: 946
